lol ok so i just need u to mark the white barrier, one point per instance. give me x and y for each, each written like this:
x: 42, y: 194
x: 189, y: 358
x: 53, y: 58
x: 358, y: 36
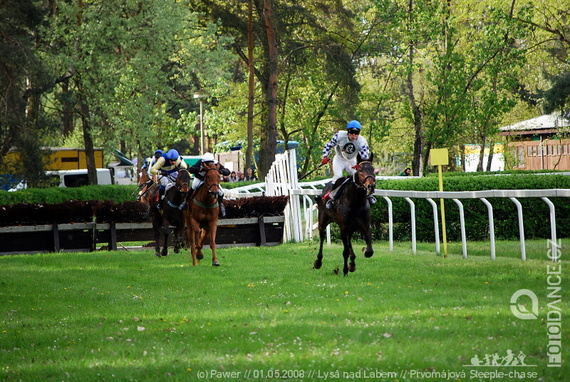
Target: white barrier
x: 299, y: 225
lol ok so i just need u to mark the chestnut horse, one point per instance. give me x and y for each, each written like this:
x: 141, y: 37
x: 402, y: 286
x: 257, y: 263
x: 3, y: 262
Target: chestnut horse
x: 202, y: 217
x: 351, y: 211
x: 145, y: 185
x: 170, y: 213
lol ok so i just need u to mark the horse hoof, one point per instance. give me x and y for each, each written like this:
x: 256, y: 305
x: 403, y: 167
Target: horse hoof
x: 367, y: 253
x: 317, y: 264
x: 157, y: 254
x: 215, y: 264
x: 200, y: 256
x: 164, y: 253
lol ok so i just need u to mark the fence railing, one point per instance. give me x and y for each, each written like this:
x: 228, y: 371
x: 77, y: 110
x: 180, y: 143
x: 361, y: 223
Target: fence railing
x: 300, y: 213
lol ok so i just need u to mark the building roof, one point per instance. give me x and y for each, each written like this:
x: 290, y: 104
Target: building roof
x: 548, y: 123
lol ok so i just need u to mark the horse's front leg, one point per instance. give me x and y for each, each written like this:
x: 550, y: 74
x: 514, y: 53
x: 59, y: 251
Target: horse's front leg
x: 368, y: 250
x: 347, y: 253
x: 200, y: 238
x: 212, y: 237
x: 166, y: 231
x: 323, y: 223
x: 319, y: 261
x: 157, y: 234
x: 193, y: 232
x: 177, y: 241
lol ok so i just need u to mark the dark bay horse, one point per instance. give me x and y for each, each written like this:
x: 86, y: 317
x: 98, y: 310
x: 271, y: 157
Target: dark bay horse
x: 202, y: 217
x: 171, y: 213
x: 351, y: 212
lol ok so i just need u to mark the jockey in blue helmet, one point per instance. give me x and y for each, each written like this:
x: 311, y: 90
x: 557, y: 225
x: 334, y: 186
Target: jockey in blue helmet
x: 347, y: 145
x: 167, y: 166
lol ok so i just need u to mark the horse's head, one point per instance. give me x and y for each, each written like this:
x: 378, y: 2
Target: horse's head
x: 143, y: 177
x: 183, y: 180
x: 212, y: 181
x: 365, y: 177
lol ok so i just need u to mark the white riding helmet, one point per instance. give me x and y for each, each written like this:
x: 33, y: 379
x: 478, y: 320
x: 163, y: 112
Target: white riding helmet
x: 208, y: 157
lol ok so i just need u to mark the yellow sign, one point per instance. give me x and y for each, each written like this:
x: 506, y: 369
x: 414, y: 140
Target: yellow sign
x: 439, y: 157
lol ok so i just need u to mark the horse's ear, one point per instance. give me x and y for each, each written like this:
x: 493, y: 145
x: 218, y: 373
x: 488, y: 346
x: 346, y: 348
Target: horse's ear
x: 371, y: 158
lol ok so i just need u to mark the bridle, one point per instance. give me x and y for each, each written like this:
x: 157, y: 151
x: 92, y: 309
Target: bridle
x: 182, y: 184
x: 179, y: 186
x: 214, y: 194
x: 368, y: 186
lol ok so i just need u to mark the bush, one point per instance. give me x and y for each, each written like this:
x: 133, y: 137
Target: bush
x: 54, y: 195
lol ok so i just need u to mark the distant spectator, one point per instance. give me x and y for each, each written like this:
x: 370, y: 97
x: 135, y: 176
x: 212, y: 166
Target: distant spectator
x: 240, y: 176
x: 250, y: 175
x: 406, y: 172
x: 233, y: 177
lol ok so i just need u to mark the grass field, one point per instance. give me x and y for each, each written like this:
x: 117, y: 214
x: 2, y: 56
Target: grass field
x: 265, y: 314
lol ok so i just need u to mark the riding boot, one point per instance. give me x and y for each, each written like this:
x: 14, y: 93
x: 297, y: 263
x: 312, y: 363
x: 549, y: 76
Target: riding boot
x: 222, y: 207
x: 159, y: 197
x: 329, y: 197
x: 371, y: 199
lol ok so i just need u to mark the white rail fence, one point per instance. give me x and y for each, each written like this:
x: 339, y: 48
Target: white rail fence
x: 301, y: 210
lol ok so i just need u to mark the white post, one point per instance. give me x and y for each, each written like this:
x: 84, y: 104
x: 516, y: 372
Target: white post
x: 390, y: 224
x: 491, y: 227
x: 413, y: 218
x: 554, y: 255
x: 462, y: 224
x: 521, y: 227
x: 435, y: 225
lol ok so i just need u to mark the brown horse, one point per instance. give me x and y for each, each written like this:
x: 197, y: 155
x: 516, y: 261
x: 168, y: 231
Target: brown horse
x: 351, y: 212
x: 145, y: 184
x: 170, y: 213
x: 202, y: 217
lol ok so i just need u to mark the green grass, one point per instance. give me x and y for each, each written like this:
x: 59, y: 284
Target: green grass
x: 129, y: 316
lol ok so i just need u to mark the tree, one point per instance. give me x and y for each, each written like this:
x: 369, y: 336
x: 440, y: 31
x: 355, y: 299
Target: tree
x: 21, y: 117
x: 134, y: 68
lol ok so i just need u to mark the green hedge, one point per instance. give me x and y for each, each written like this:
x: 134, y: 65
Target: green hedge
x: 54, y: 195
x: 535, y: 211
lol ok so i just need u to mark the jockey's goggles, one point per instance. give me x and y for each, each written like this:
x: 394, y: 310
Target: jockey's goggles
x: 354, y: 131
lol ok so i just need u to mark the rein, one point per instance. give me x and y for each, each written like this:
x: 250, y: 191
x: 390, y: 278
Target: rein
x: 207, y: 187
x: 183, y: 193
x: 362, y: 185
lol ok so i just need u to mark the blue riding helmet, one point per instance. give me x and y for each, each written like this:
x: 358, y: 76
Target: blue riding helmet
x: 172, y: 154
x: 354, y: 124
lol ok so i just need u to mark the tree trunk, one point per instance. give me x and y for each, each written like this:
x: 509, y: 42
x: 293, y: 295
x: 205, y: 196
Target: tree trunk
x: 269, y: 138
x: 251, y: 90
x: 481, y: 155
x: 88, y: 141
x: 416, y: 113
x: 490, y: 159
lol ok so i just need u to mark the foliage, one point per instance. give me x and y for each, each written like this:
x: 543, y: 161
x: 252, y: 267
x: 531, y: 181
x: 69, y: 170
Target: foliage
x: 128, y: 315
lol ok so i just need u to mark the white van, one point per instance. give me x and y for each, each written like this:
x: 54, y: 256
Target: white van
x: 78, y: 178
